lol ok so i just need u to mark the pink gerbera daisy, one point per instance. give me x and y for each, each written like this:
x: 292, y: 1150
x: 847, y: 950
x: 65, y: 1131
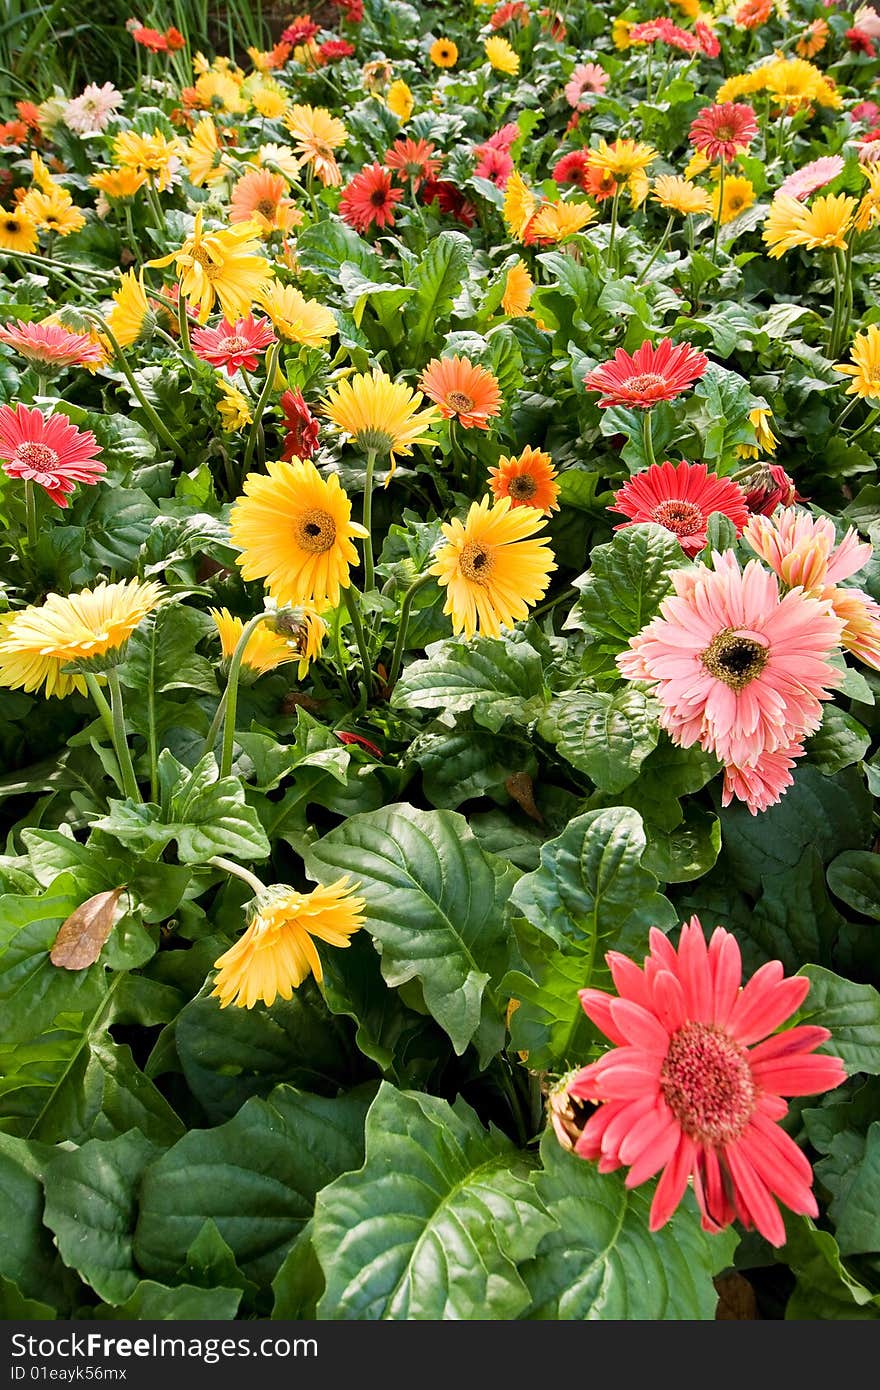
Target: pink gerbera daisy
x: 301, y: 438
x: 652, y: 374
x: 763, y: 784
x: 682, y: 499
x: 707, y: 38
x: 723, y: 132
x: 694, y: 1085
x: 814, y: 175
x: 493, y: 164
x: 587, y: 80
x: 803, y: 549
x: 737, y: 669
x: 505, y: 136
x: 234, y: 345
x: 49, y: 450
x: 48, y: 345
x: 369, y: 199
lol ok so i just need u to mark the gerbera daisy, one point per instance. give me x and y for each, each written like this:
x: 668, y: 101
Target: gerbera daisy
x: 269, y: 100
x: 369, y: 199
x: 233, y: 408
x: 280, y: 159
x: 154, y: 155
x: 860, y: 615
x: 528, y: 479
x: 512, y: 11
x: 792, y: 83
x: 587, y: 80
x: 53, y: 212
x: 49, y: 450
x: 684, y: 1090
x: 518, y: 289
x: 120, y: 185
x: 18, y: 232
x: 297, y: 635
x: 811, y: 177
x: 493, y: 164
x: 277, y: 952
x: 380, y: 415
x: 813, y: 39
x: 572, y: 168
x: 680, y: 195
x: 865, y: 366
x: 681, y: 498
x: 316, y: 135
x: 413, y: 160
x: 92, y: 110
x: 300, y: 31
x: 737, y: 669
x: 203, y: 156
x: 443, y: 53
x: 400, y: 100
x: 769, y: 487
x: 724, y: 131
x: 803, y: 550
x: 295, y: 532
x: 763, y: 783
x: 753, y: 13
x: 131, y: 313
x: 554, y: 222
x: 822, y: 226
x: 600, y: 184
x: 708, y: 40
x: 492, y: 567
x: 623, y: 158
x: 233, y: 345
x: 857, y: 41
x: 221, y: 266
x: 519, y: 205
x: 334, y: 50
x: 301, y: 426
x: 80, y: 627
x: 501, y: 56
x: 738, y: 195
x: 50, y: 345
x: 261, y: 196
x: 650, y: 375
x: 296, y: 318
x: 28, y: 669
x: 462, y: 390
x: 765, y: 439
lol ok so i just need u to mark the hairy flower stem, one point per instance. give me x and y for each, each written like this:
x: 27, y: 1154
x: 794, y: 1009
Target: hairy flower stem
x: 183, y: 324
x: 648, y: 438
x: 231, y: 694
x: 271, y: 367
x: 369, y: 566
x: 351, y: 603
x: 30, y: 506
x: 659, y: 247
x: 106, y: 715
x: 229, y: 867
x: 120, y: 742
x: 615, y: 203
x: 834, y: 335
x: 400, y: 643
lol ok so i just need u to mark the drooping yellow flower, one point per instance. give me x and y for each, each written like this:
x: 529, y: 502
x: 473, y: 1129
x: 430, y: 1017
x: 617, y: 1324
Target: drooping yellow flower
x: 680, y: 195
x: 280, y: 159
x: 519, y: 205
x: 765, y: 439
x: 739, y: 194
x: 131, y: 314
x: 277, y: 952
x: 825, y: 224
x: 203, y: 156
x: 743, y: 84
x: 221, y: 266
x: 220, y: 91
x: 865, y: 366
x: 443, y: 53
x: 623, y: 158
x: 295, y: 532
x: 42, y: 176
x: 52, y: 212
x: 27, y: 668
x: 556, y: 221
x: 620, y: 34
x: 380, y: 415
x: 491, y: 566
x: 18, y: 232
x: 233, y: 407
x: 294, y: 635
x: 518, y: 289
x: 400, y: 100
x: 153, y: 155
x: 501, y: 55
x: 298, y: 319
x: 696, y: 165
x: 120, y: 185
x: 79, y: 627
x: 316, y: 135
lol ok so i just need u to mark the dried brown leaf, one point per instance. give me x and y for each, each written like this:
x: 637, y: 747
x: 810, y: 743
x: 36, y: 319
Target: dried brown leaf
x: 521, y: 788
x: 81, y: 938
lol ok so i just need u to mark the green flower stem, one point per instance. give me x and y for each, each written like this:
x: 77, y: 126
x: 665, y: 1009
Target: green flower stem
x: 659, y: 247
x: 866, y: 425
x: 405, y: 608
x: 271, y: 367
x: 834, y: 335
x: 211, y: 736
x: 720, y: 211
x: 161, y: 429
x: 847, y: 410
x: 155, y: 206
x: 120, y: 742
x: 351, y: 603
x: 648, y: 438
x: 104, y: 711
x: 369, y: 567
x: 229, y: 867
x: 30, y: 506
x: 183, y: 323
x: 231, y: 696
x: 615, y: 203
x: 42, y: 262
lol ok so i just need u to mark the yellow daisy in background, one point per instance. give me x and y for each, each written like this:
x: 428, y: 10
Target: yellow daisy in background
x: 518, y: 289
x: 153, y: 155
x: 739, y: 194
x: 53, y: 211
x: 203, y: 155
x: 298, y: 319
x: 28, y: 668
x: 277, y: 952
x: 400, y: 100
x: 824, y: 225
x: 316, y: 134
x: 269, y: 101
x: 623, y: 158
x: 519, y: 205
x: 765, y: 439
x: 233, y: 408
x: 130, y: 316
x: 18, y: 232
x: 222, y: 266
x: 443, y: 53
x: 295, y: 532
x: 279, y: 159
x: 868, y: 214
x: 680, y: 195
x: 502, y: 57
x: 556, y: 221
x: 78, y: 627
x: 620, y: 34
x: 221, y: 91
x: 865, y: 366
x: 380, y: 415
x: 120, y: 185
x: 492, y: 567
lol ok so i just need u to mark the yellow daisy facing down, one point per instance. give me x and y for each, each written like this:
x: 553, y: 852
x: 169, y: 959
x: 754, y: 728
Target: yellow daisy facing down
x: 865, y: 366
x: 277, y: 952
x: 519, y: 205
x: 491, y: 567
x: 765, y: 439
x: 380, y: 414
x: 443, y: 53
x: 233, y: 407
x: 119, y: 184
x: 203, y: 155
x: 221, y: 266
x: 296, y: 318
x: 295, y: 532
x: 81, y: 626
x: 292, y: 635
x: 131, y: 315
x: 518, y: 289
x: 824, y: 225
x: 501, y: 55
x: 316, y: 134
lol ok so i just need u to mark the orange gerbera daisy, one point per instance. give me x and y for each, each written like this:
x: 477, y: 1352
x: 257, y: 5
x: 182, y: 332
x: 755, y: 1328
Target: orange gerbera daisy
x: 529, y: 480
x: 260, y: 197
x: 463, y: 390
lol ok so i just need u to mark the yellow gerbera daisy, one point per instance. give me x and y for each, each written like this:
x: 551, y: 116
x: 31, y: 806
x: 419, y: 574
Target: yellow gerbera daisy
x: 277, y: 952
x: 620, y: 34
x: 53, y: 212
x: 680, y: 195
x: 491, y: 567
x: 298, y: 319
x: 868, y: 214
x: 623, y: 158
x: 27, y: 668
x: 502, y: 57
x: 865, y: 366
x: 18, y: 232
x: 743, y: 84
x: 279, y: 159
x: 295, y: 635
x: 42, y: 176
x: 556, y: 221
x: 131, y: 313
x: 316, y: 135
x: 825, y: 224
x: 221, y: 92
x: 443, y: 53
x: 518, y: 289
x: 203, y: 155
x: 233, y: 407
x: 519, y: 205
x: 294, y: 531
x: 153, y: 155
x: 81, y: 626
x: 765, y: 439
x: 221, y: 266
x: 269, y: 100
x: 380, y: 415
x: 400, y: 100
x: 739, y: 194
x: 119, y: 184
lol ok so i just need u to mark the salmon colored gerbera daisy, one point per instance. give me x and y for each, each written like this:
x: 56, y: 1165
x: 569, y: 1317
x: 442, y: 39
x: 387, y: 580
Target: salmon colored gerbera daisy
x: 528, y: 479
x: 492, y: 567
x: 51, y: 346
x: 277, y: 952
x: 49, y: 450
x: 462, y: 390
x: 681, y: 498
x: 233, y: 345
x: 650, y: 375
x: 261, y: 196
x: 316, y: 134
x: 369, y: 199
x: 686, y: 1090
x: 724, y: 131
x: 413, y: 160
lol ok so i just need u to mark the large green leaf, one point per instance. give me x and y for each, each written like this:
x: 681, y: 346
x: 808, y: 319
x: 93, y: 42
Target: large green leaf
x: 434, y: 1224
x: 153, y: 1302
x: 27, y: 1256
x: 854, y: 877
x: 499, y: 679
x: 438, y: 277
x: 852, y: 1013
x: 161, y: 655
x: 33, y: 991
x: 255, y: 1177
x: 625, y: 585
x: 602, y: 1262
x: 435, y: 903
x: 605, y: 734
x: 463, y: 763
x: 824, y: 1287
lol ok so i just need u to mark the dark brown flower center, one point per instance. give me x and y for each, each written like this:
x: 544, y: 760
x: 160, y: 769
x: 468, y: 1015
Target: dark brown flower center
x: 316, y: 531
x: 734, y: 658
x: 684, y: 518
x: 459, y: 402
x: 523, y: 486
x: 11, y: 224
x: 267, y: 206
x: 476, y: 562
x: 707, y: 1083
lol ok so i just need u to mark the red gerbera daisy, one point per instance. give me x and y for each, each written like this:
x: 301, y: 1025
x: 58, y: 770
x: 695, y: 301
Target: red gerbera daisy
x: 684, y: 1090
x: 494, y: 164
x: 600, y: 184
x: 708, y: 39
x: 301, y: 439
x: 335, y: 49
x: 369, y: 199
x: 233, y: 345
x: 449, y: 199
x: 413, y: 160
x: 301, y: 31
x: 723, y: 132
x: 682, y: 499
x: 573, y: 169
x: 508, y: 12
x: 151, y: 39
x: 769, y: 488
x: 652, y: 374
x: 860, y: 42
x: 49, y: 450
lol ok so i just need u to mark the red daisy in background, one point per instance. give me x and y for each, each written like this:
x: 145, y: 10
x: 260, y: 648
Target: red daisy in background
x: 493, y: 164
x: 234, y: 345
x: 573, y: 169
x: 449, y: 199
x: 301, y: 31
x: 600, y: 184
x: 769, y: 488
x: 413, y: 160
x: 723, y: 132
x: 707, y: 38
x: 301, y: 438
x: 462, y: 390
x: 650, y: 375
x: 858, y: 41
x: 369, y: 199
x: 333, y: 50
x: 681, y: 498
x: 48, y: 345
x: 49, y: 450
x: 686, y: 1091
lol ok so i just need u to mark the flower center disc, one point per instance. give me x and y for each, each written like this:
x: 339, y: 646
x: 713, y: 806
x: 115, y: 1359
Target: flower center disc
x: 523, y: 486
x: 38, y: 457
x: 267, y: 207
x: 684, y: 518
x: 648, y: 381
x: 316, y: 531
x: 734, y: 659
x: 235, y: 344
x: 475, y: 562
x: 707, y: 1084
x: 459, y: 402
